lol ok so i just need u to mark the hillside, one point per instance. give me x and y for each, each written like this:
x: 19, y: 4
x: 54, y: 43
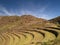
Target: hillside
x: 28, y: 30
x: 55, y: 20
x: 27, y: 21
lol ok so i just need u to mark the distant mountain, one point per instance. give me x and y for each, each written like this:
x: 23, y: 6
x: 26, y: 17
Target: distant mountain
x: 55, y: 20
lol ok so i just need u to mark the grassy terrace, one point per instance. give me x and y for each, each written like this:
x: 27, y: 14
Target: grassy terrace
x: 28, y: 31
x: 46, y: 36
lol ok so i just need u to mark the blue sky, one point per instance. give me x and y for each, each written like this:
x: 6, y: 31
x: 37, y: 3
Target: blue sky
x: 46, y: 9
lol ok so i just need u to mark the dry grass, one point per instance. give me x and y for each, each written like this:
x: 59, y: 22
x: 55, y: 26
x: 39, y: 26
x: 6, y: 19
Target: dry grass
x: 27, y: 30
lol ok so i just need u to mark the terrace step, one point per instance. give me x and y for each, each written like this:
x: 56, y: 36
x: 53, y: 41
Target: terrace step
x: 48, y: 36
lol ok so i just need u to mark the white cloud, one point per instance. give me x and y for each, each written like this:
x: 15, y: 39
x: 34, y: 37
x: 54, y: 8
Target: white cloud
x: 22, y: 12
x: 6, y: 12
x: 1, y: 13
x: 38, y: 13
x: 3, y: 9
x: 34, y: 13
x: 44, y: 16
x: 43, y: 9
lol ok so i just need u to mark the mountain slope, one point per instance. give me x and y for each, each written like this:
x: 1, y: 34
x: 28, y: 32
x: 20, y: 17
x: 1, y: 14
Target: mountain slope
x: 24, y: 21
x: 55, y: 20
x: 28, y: 30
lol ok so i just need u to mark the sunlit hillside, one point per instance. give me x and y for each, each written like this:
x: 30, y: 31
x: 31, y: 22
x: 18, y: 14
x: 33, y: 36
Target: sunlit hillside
x: 28, y: 30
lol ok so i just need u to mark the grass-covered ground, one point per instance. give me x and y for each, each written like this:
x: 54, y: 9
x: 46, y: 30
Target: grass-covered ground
x: 28, y: 30
x: 46, y: 36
